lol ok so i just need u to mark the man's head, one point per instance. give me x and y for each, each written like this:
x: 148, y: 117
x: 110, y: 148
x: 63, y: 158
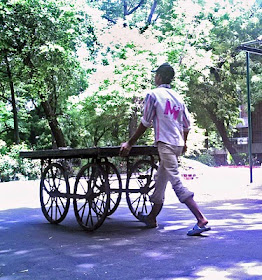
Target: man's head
x: 165, y: 73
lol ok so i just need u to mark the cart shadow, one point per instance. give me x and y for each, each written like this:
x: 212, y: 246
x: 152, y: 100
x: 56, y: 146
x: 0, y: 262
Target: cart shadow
x: 122, y: 247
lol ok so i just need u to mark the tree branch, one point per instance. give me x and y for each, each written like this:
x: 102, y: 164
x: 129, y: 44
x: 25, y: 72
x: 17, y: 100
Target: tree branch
x: 109, y: 19
x: 156, y: 18
x: 3, y: 91
x: 125, y: 8
x: 182, y: 54
x: 153, y: 8
x: 129, y: 12
x: 215, y: 70
x: 7, y: 128
x: 4, y: 98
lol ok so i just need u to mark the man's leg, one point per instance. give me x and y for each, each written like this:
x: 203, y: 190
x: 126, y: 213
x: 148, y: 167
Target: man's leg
x: 157, y: 198
x: 150, y: 219
x: 156, y: 208
x: 184, y: 195
x: 193, y: 207
x: 160, y: 185
x: 200, y: 227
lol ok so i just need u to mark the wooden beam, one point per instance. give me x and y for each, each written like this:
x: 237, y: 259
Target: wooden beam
x: 99, y: 152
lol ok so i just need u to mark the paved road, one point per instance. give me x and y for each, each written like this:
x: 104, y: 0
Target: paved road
x: 31, y: 248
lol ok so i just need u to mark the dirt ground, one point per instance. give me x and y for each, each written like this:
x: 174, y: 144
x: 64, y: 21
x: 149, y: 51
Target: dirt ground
x: 122, y: 248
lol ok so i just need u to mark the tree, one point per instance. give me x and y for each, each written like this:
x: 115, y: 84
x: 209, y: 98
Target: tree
x: 210, y: 66
x: 41, y: 43
x: 5, y: 122
x: 139, y: 13
x: 39, y: 40
x: 123, y: 65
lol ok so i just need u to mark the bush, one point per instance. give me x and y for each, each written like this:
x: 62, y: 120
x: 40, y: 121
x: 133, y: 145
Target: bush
x: 12, y: 167
x: 206, y: 159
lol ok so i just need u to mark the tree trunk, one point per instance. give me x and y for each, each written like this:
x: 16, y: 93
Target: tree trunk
x: 223, y: 133
x: 125, y: 8
x: 133, y: 123
x: 152, y: 11
x: 54, y: 125
x: 13, y: 101
x: 58, y: 139
x: 131, y: 10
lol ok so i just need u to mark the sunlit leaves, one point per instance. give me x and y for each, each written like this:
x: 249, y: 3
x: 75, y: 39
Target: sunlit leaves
x: 40, y: 40
x: 56, y: 48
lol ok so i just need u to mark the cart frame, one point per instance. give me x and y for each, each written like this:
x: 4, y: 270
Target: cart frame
x: 97, y: 186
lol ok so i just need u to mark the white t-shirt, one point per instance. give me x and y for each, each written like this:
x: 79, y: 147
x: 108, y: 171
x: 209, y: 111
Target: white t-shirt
x: 170, y: 117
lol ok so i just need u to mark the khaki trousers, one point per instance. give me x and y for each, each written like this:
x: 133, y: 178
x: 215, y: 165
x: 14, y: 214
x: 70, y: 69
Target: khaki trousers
x: 168, y: 172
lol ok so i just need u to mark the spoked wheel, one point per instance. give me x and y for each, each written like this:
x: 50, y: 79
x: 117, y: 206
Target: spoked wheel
x: 140, y: 185
x: 54, y: 188
x: 115, y: 184
x: 91, y: 196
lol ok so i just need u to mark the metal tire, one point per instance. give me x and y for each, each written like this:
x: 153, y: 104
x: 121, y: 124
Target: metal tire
x: 115, y: 183
x: 140, y: 185
x: 92, y: 206
x: 54, y: 181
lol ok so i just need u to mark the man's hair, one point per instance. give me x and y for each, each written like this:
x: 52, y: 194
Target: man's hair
x: 166, y: 72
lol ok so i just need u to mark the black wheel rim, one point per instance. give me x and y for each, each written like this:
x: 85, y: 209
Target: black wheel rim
x: 54, y: 187
x: 91, y: 207
x: 140, y: 185
x: 115, y: 184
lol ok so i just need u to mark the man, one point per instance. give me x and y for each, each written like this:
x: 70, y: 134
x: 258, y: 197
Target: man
x: 170, y: 117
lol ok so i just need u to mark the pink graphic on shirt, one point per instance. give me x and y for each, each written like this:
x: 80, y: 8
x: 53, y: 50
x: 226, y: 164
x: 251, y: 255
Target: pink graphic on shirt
x: 173, y: 111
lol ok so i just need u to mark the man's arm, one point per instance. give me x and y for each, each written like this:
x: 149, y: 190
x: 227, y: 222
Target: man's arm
x: 185, y: 139
x: 126, y: 147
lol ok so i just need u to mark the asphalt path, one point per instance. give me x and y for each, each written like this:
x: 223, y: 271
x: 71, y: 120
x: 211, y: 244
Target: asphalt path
x: 122, y: 248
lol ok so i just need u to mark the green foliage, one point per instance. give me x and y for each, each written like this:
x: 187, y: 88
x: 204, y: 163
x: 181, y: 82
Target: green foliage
x: 209, y: 65
x: 39, y: 42
x: 12, y: 167
x: 5, y: 123
x: 206, y: 159
x: 136, y: 14
x: 105, y: 118
x: 117, y: 88
x: 93, y: 63
x: 243, y: 159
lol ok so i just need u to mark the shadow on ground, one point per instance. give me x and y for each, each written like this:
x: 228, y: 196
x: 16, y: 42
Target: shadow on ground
x: 122, y: 248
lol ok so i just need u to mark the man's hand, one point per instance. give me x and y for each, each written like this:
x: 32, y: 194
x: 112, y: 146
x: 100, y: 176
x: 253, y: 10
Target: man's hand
x: 125, y: 149
x: 184, y: 149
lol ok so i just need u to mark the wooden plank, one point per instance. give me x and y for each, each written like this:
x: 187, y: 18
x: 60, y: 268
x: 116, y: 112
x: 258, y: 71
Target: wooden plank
x: 87, y: 152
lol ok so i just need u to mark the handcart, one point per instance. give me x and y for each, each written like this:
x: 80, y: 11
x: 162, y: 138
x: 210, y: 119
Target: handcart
x: 97, y: 185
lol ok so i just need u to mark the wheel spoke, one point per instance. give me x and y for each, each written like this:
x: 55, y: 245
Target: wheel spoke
x: 115, y: 184
x: 49, y: 198
x: 50, y: 208
x: 140, y: 185
x: 58, y: 206
x: 62, y: 203
x: 138, y: 202
x: 91, y: 182
x: 54, y: 181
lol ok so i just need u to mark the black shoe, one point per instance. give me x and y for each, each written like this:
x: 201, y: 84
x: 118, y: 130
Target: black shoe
x: 144, y: 219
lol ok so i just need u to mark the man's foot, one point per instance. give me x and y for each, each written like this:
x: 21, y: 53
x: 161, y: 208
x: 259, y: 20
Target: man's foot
x: 197, y: 230
x: 146, y: 219
x: 202, y: 223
